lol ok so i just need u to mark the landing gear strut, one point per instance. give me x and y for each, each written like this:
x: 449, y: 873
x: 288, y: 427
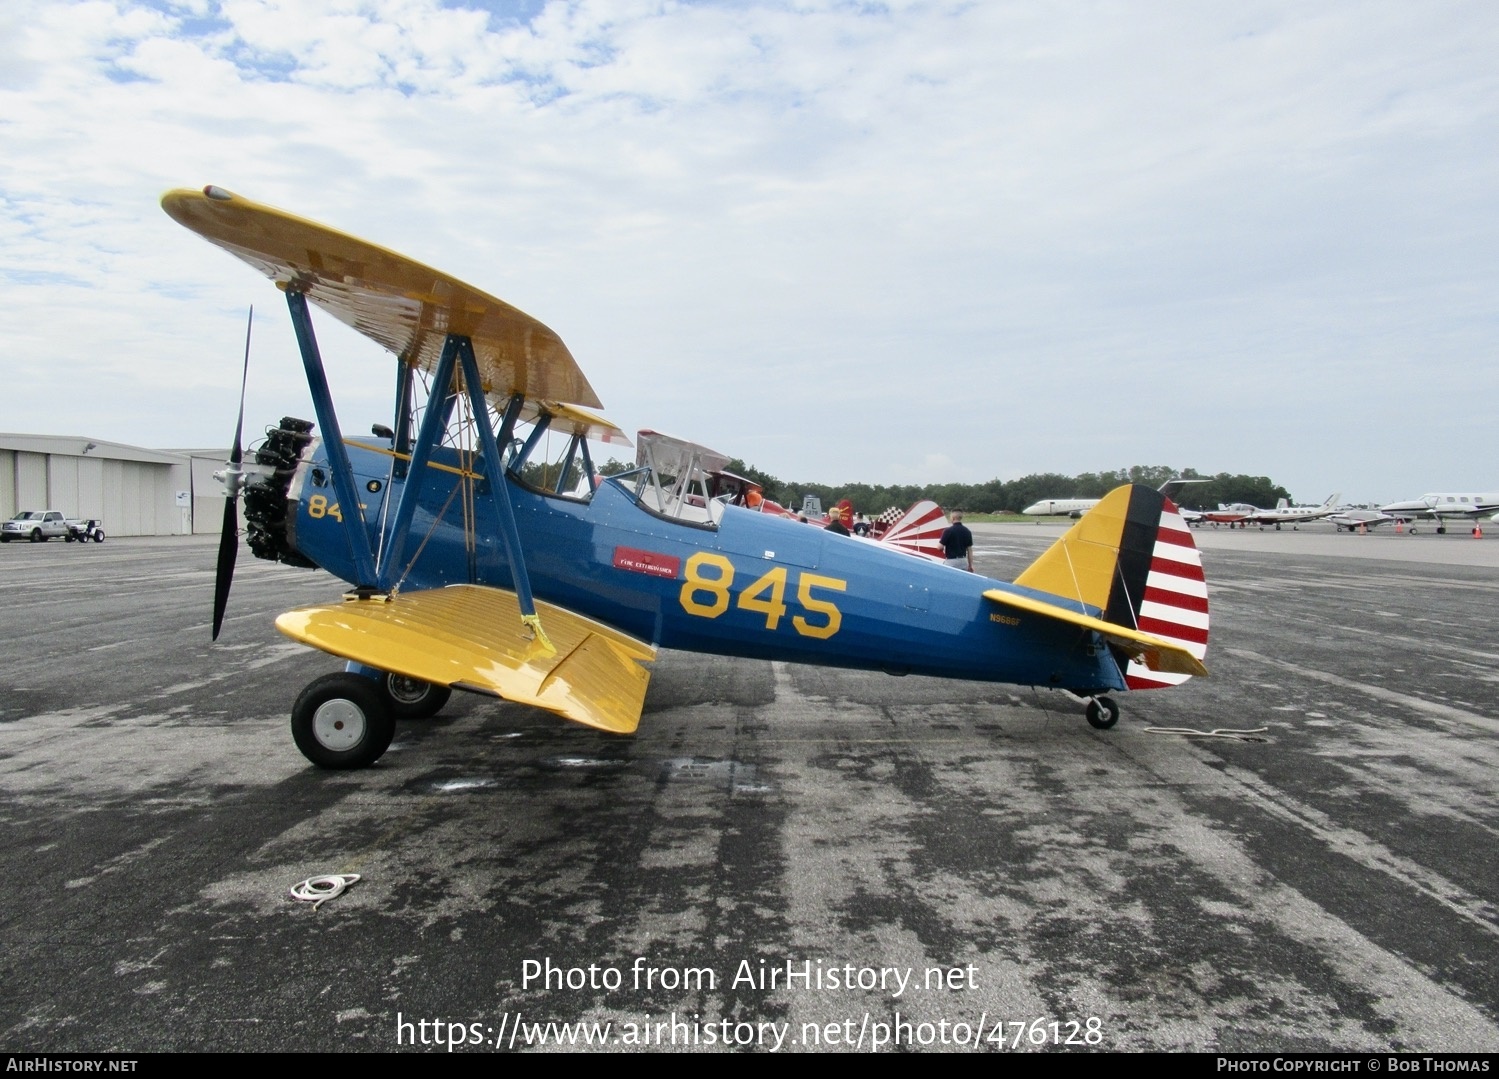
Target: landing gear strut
x: 1103, y: 713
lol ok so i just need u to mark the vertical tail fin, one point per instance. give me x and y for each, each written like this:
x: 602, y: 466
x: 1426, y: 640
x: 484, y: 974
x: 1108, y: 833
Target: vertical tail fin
x: 1133, y: 559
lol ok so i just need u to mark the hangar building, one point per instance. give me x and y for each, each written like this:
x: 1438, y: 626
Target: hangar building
x: 134, y: 491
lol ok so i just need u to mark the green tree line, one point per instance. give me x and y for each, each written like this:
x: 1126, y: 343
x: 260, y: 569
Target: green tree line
x: 995, y: 496
x: 1012, y: 496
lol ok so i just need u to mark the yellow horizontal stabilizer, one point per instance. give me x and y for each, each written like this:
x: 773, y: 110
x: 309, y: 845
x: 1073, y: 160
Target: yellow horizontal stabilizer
x: 391, y: 299
x: 472, y: 637
x: 1156, y: 653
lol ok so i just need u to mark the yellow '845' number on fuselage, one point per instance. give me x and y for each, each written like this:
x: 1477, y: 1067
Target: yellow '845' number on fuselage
x: 706, y: 593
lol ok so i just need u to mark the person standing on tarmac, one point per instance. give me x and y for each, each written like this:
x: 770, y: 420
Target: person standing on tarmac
x: 957, y: 544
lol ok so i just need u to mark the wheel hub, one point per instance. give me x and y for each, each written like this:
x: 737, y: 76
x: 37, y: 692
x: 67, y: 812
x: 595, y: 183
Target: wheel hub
x: 406, y: 690
x: 338, y: 725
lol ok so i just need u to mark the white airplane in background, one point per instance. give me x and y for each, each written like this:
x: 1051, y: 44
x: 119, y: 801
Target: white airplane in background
x: 1439, y: 507
x: 1286, y: 514
x: 1360, y: 520
x: 1076, y: 507
x: 1056, y: 507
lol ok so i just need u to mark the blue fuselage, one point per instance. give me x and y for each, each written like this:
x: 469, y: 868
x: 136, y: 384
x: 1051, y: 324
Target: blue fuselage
x: 755, y: 585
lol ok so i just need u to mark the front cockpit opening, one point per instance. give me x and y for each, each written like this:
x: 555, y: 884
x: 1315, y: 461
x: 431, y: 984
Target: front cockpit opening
x: 550, y: 452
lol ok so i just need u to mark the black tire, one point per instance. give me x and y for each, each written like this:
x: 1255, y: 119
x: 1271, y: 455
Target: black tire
x: 37, y: 537
x: 69, y: 538
x: 411, y: 698
x: 341, y: 721
x: 1103, y: 713
x: 4, y: 539
x: 98, y: 535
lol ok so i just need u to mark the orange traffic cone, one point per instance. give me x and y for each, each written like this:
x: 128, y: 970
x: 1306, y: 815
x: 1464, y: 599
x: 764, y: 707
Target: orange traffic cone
x: 1478, y: 531
x: 1399, y: 525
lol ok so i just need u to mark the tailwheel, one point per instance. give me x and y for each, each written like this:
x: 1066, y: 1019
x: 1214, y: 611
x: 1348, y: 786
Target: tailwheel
x: 1103, y: 713
x: 411, y: 698
x: 341, y: 721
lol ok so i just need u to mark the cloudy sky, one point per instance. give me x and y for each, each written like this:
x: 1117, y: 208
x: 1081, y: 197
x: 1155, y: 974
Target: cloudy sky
x: 844, y: 241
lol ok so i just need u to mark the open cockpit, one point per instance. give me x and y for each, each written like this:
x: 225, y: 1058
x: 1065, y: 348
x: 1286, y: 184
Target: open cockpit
x: 672, y: 478
x: 676, y: 480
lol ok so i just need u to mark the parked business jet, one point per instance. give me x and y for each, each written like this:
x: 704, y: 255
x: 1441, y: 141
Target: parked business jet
x: 1076, y: 507
x: 1439, y: 507
x: 1056, y: 507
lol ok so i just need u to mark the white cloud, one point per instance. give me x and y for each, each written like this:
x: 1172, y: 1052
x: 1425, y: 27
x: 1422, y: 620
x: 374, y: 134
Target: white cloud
x: 1079, y: 238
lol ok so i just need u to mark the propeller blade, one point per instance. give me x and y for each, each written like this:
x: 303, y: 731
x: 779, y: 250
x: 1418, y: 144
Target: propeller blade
x: 224, y: 574
x: 233, y: 484
x: 236, y: 455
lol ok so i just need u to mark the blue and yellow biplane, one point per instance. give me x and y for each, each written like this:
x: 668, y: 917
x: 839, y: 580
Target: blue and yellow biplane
x: 473, y: 569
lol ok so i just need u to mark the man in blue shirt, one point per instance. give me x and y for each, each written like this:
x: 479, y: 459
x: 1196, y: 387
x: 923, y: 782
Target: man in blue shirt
x: 957, y: 544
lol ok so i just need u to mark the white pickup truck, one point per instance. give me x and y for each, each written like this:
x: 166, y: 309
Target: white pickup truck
x: 39, y: 526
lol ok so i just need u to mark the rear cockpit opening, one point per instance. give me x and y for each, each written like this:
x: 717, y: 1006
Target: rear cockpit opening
x: 677, y: 480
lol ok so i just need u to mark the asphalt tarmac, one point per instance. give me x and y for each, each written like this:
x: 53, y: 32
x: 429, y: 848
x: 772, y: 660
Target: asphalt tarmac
x: 784, y: 857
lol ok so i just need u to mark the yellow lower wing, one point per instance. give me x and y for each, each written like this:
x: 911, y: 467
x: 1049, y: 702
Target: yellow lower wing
x: 471, y: 637
x: 1155, y: 653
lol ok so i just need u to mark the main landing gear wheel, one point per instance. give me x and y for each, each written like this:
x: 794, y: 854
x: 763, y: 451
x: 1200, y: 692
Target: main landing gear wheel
x: 341, y: 721
x: 411, y: 698
x: 1103, y: 713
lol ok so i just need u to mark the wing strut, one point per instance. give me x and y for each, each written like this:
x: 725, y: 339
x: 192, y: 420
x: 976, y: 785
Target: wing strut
x: 500, y: 486
x: 401, y: 443
x: 338, y: 457
x: 543, y: 421
x: 587, y: 464
x: 567, y: 466
x: 434, y: 423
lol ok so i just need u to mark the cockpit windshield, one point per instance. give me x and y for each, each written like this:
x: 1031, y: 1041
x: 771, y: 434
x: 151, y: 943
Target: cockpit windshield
x: 554, y: 458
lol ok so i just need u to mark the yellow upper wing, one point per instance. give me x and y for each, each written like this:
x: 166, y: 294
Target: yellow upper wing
x: 401, y: 304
